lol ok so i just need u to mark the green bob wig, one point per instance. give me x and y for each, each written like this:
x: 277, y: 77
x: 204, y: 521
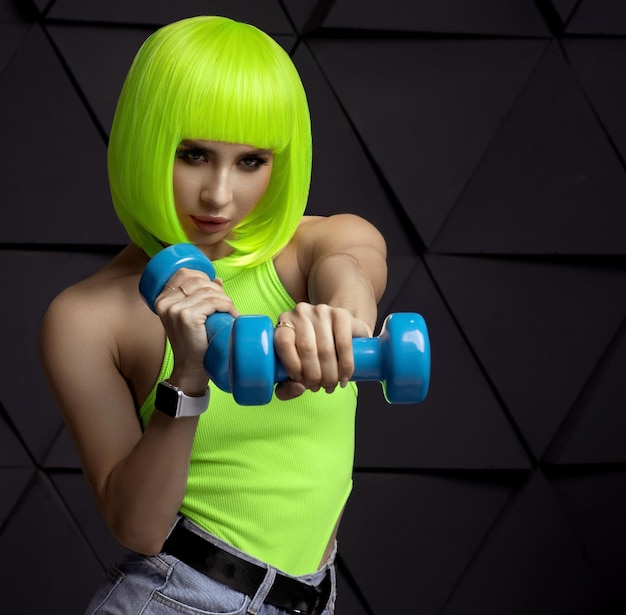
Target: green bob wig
x: 214, y: 79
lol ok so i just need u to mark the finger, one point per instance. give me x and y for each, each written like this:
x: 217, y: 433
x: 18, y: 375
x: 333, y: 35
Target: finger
x: 327, y: 357
x: 342, y: 328
x: 308, y: 349
x: 284, y: 345
x: 188, y: 288
x: 332, y: 326
x: 289, y: 390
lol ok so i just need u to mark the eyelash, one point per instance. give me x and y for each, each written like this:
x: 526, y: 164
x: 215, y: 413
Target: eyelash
x: 188, y: 155
x: 197, y: 156
x: 258, y: 161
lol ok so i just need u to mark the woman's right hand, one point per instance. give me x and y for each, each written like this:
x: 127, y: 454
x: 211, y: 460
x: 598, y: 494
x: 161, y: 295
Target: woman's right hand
x: 187, y: 300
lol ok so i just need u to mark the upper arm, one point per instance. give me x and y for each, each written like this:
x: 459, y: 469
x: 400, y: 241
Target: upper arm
x: 348, y: 235
x: 79, y: 357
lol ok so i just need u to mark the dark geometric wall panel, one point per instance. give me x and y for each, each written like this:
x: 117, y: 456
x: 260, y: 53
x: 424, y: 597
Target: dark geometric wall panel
x: 585, y: 500
x: 343, y: 178
x: 427, y: 110
x: 88, y: 50
x: 13, y: 482
x: 12, y: 452
x: 594, y: 430
x: 514, y: 17
x: 530, y: 563
x: 460, y: 424
x: 266, y: 15
x: 564, y: 8
x: 418, y: 512
x: 9, y: 11
x: 539, y: 330
x: 348, y: 601
x: 604, y: 88
x: 487, y: 141
x: 74, y: 492
x: 62, y: 453
x: 40, y: 542
x: 10, y: 36
x: 550, y: 173
x: 306, y: 15
x: 39, y: 276
x: 54, y: 161
x: 599, y: 17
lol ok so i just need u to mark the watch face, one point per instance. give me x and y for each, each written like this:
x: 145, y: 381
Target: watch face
x: 166, y: 399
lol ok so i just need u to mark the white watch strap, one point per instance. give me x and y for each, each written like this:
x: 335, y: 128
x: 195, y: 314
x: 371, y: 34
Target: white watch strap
x: 172, y: 401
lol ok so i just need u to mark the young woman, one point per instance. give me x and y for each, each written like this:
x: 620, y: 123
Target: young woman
x: 227, y: 508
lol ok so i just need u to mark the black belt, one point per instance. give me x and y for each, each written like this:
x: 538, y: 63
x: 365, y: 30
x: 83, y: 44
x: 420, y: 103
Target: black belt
x: 244, y: 576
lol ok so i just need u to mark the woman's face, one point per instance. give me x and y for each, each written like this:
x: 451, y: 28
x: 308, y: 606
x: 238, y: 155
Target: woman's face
x: 216, y: 185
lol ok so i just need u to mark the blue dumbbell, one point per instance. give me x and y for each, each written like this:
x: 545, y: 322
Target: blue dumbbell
x: 241, y: 360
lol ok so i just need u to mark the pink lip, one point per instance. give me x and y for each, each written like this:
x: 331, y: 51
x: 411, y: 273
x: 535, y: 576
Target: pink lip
x: 210, y: 224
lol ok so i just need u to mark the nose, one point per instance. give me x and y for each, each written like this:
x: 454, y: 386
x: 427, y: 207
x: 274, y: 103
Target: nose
x: 217, y: 188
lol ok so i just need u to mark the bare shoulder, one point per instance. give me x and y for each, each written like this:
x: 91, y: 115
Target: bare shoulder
x: 318, y: 237
x: 349, y: 222
x: 94, y: 304
x: 100, y: 323
x: 338, y: 230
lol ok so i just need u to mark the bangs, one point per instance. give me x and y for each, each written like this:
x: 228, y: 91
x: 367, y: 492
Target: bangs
x: 238, y: 94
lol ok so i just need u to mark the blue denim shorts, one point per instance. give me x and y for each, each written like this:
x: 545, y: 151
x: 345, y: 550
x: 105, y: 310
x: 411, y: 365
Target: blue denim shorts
x: 163, y: 585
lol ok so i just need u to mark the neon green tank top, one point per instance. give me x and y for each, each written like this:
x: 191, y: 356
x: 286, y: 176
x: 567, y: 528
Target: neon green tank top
x: 270, y: 480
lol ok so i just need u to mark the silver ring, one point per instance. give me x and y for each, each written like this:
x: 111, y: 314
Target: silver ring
x: 284, y: 323
x: 180, y: 288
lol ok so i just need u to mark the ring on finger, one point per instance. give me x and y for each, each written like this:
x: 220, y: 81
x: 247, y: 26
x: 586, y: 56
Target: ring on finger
x: 284, y: 323
x: 180, y: 288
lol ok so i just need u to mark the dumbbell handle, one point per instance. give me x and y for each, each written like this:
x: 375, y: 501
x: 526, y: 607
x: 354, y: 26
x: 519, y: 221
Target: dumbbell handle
x: 367, y: 355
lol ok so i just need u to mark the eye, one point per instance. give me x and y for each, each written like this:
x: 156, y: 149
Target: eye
x: 191, y: 155
x: 253, y: 162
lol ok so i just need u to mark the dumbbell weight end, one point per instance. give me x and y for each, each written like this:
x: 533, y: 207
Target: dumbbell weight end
x: 218, y: 329
x: 404, y: 358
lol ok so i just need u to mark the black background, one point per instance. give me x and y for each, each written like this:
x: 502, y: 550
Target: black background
x: 487, y: 140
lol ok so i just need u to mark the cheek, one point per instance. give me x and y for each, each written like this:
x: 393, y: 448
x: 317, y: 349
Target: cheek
x: 251, y: 188
x: 181, y: 186
x: 263, y: 182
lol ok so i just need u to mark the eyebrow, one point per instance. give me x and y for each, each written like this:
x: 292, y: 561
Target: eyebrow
x: 191, y: 144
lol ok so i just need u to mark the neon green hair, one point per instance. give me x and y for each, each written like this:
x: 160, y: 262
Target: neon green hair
x: 215, y: 79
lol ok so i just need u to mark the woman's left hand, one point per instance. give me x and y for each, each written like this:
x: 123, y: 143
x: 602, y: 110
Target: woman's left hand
x: 315, y: 347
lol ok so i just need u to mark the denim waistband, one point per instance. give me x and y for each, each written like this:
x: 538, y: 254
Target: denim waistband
x: 230, y: 566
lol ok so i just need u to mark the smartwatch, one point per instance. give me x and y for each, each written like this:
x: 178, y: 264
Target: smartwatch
x: 172, y: 401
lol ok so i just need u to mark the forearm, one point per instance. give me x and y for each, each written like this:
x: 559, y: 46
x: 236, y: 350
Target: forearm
x: 143, y: 493
x: 339, y: 280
